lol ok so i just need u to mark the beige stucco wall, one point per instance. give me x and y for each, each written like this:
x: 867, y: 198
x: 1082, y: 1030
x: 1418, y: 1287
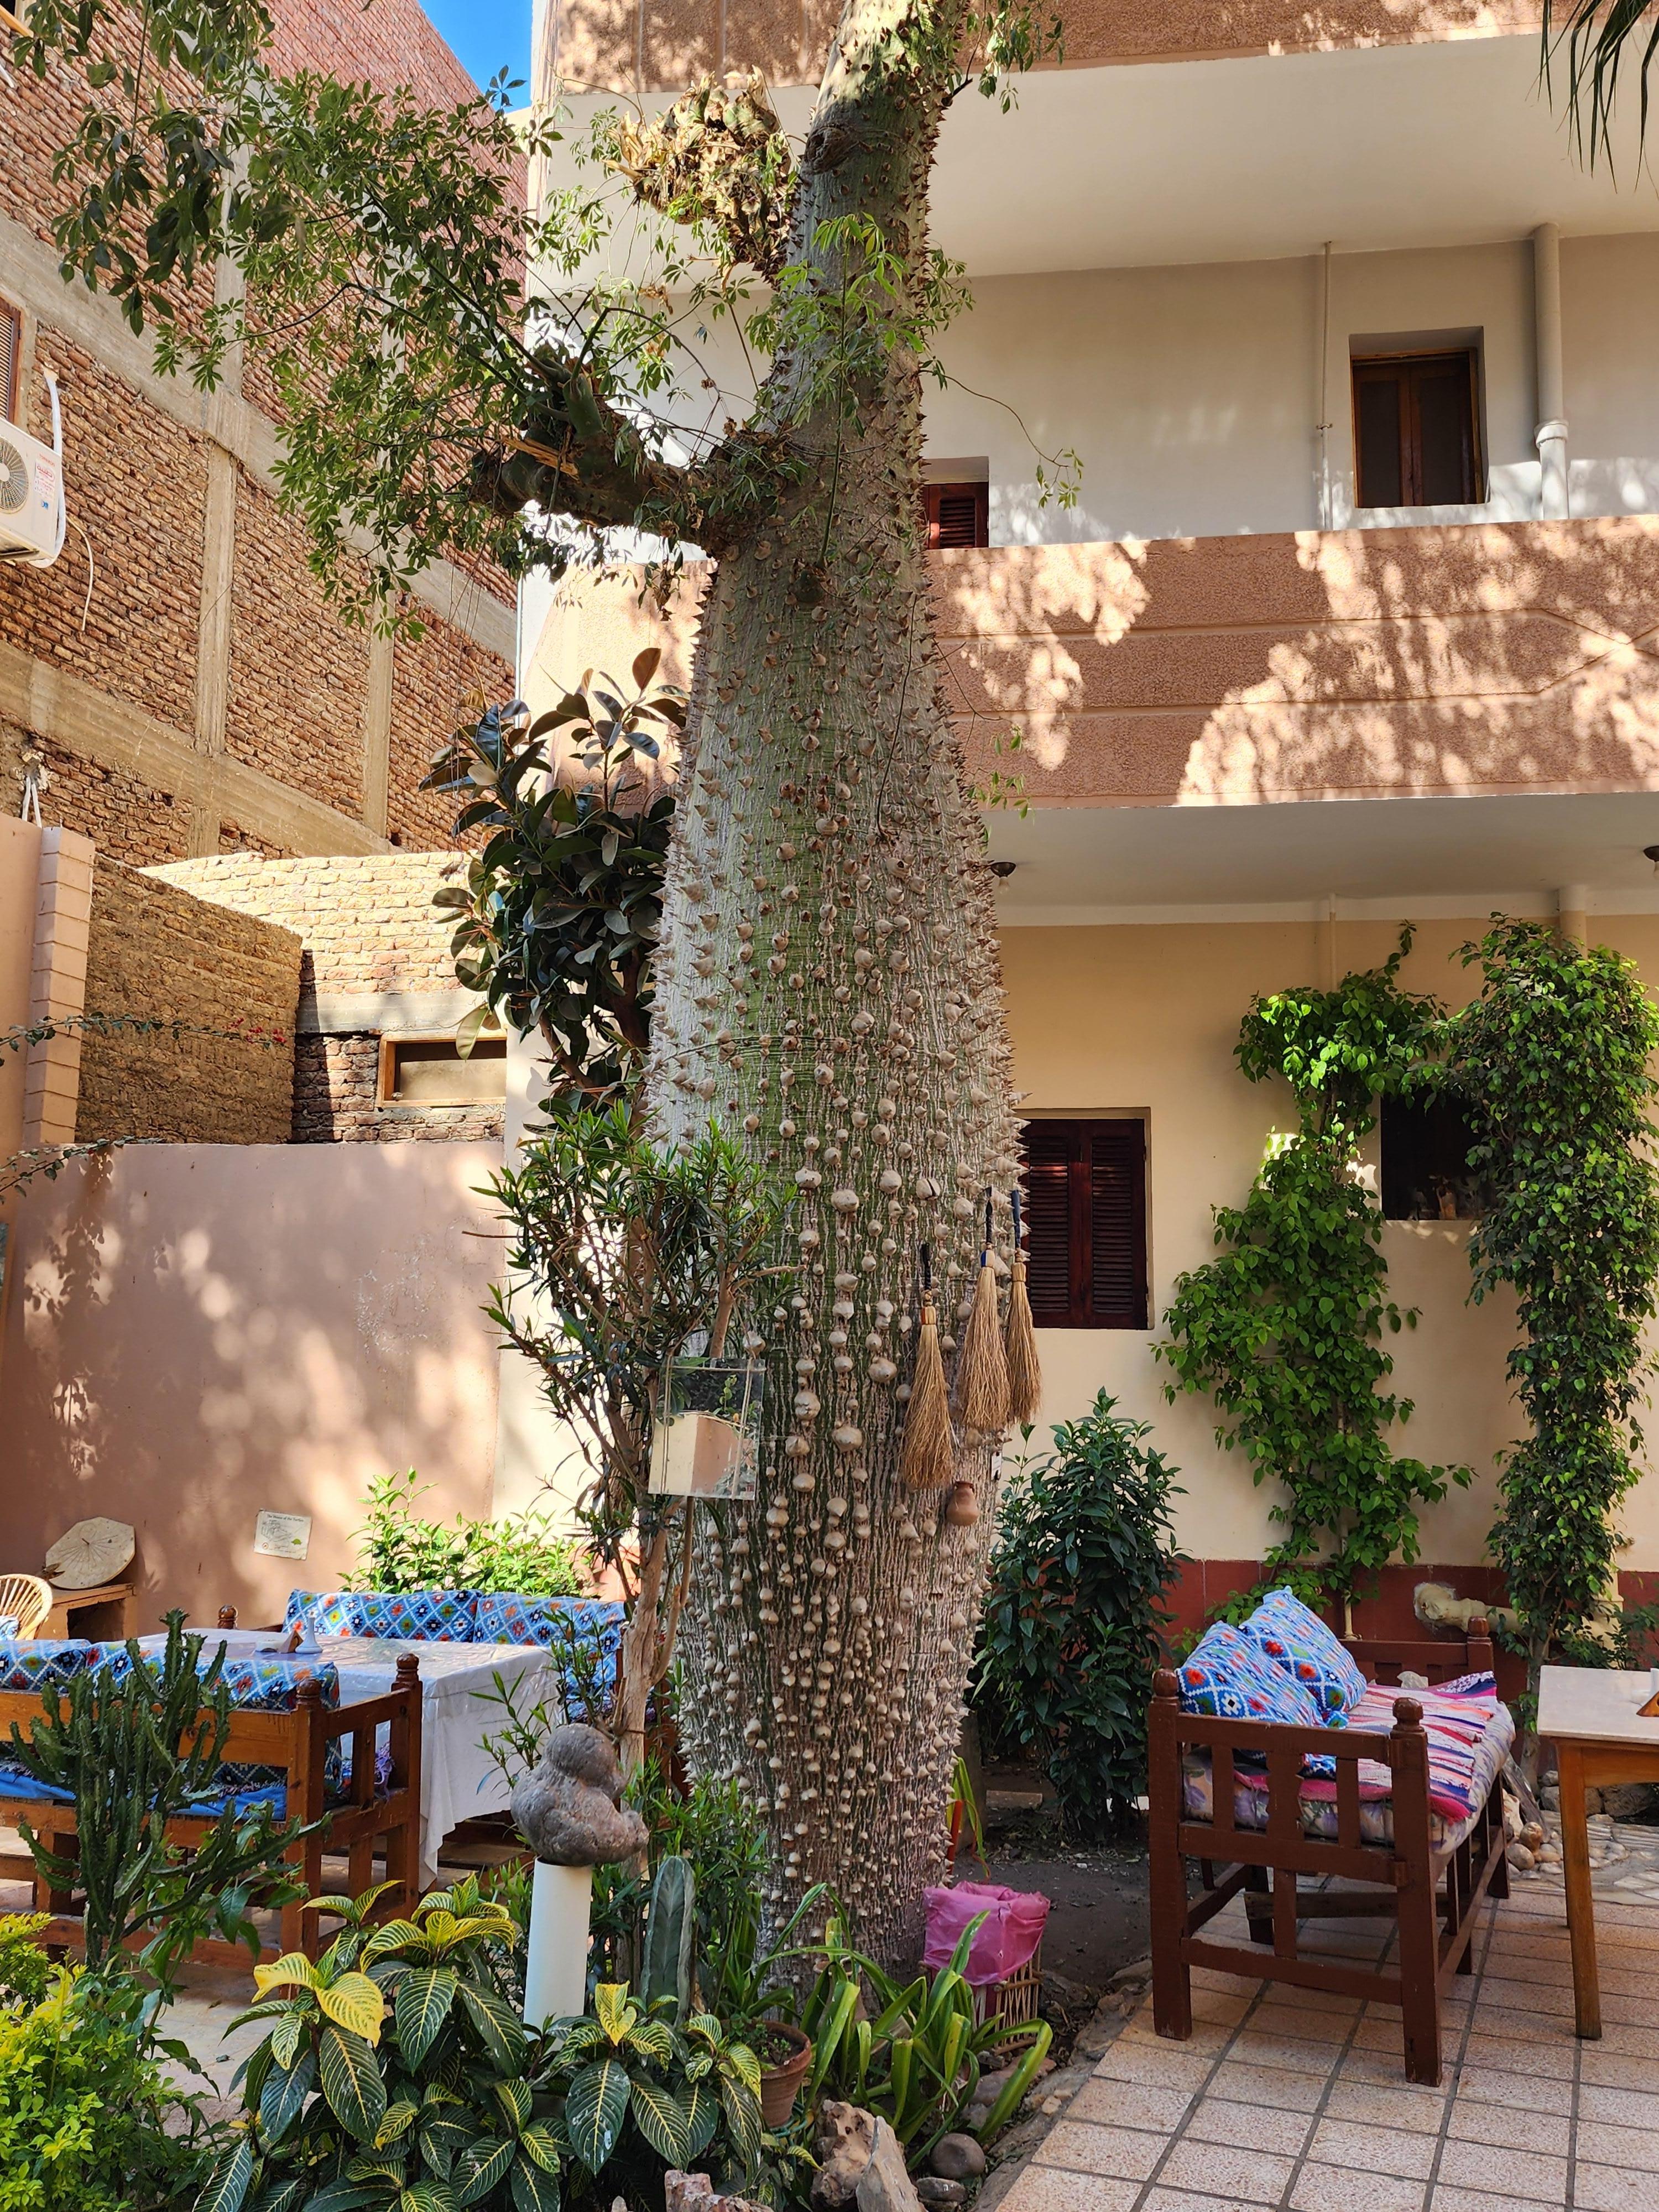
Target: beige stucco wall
x: 1144, y: 1020
x: 199, y: 1333
x: 20, y: 869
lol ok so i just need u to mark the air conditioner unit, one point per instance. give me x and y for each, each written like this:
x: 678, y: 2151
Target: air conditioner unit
x: 32, y: 516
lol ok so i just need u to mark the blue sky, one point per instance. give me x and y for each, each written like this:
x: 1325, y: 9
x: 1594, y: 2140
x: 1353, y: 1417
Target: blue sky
x: 486, y: 33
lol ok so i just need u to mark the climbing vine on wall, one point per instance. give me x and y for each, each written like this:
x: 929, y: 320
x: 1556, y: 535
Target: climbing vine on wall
x: 1283, y: 1327
x: 1555, y: 1057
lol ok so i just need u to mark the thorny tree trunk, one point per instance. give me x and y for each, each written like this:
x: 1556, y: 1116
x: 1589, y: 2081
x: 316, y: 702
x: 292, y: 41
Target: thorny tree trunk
x: 829, y: 985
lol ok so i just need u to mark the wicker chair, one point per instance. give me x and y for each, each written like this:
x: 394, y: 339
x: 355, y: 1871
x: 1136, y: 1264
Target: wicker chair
x: 27, y: 1600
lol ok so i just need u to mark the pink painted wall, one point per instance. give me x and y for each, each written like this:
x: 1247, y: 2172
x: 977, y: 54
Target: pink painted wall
x: 199, y: 1333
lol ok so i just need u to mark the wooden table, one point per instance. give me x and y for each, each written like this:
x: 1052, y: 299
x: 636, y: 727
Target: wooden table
x: 66, y: 1603
x: 1589, y: 1714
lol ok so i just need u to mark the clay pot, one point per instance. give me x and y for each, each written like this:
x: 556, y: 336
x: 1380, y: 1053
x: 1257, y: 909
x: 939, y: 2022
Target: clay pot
x: 780, y: 2084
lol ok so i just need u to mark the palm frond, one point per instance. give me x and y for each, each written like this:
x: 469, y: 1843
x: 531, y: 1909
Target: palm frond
x: 1595, y: 40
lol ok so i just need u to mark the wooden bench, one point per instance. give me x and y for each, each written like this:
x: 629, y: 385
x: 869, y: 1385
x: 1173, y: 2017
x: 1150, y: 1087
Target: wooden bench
x: 361, y: 1826
x: 1431, y: 1892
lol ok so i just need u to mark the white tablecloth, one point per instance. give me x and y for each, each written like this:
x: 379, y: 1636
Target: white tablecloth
x: 458, y: 1778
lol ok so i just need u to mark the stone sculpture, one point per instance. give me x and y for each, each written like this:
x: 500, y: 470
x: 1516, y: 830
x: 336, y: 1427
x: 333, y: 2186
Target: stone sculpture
x: 569, y: 1807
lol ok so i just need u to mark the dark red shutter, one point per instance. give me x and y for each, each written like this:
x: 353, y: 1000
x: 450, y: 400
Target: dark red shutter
x: 958, y: 514
x: 1085, y: 1200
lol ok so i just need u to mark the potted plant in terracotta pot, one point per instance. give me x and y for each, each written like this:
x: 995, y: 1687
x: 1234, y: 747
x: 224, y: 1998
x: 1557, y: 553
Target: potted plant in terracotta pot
x: 744, y: 1987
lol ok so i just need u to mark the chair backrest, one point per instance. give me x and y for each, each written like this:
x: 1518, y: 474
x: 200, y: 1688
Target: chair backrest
x: 26, y: 1599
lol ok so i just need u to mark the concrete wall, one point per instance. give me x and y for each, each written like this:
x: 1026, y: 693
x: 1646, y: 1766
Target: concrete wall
x: 1191, y: 394
x: 641, y: 47
x: 156, y: 952
x: 201, y: 1332
x: 1144, y: 1020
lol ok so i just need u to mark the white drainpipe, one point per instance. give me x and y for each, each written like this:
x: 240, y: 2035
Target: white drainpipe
x: 1551, y: 435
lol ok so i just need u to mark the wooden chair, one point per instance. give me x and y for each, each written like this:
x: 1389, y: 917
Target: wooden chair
x: 363, y: 1826
x: 28, y: 1599
x: 1431, y: 1892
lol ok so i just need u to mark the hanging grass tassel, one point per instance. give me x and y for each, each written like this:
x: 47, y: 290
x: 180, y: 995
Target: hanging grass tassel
x: 927, y: 1460
x: 982, y: 1369
x: 1024, y: 1375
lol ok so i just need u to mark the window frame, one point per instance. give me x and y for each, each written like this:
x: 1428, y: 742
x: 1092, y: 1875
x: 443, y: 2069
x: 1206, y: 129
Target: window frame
x: 1080, y: 1233
x: 391, y: 1042
x: 1410, y: 357
x: 931, y: 494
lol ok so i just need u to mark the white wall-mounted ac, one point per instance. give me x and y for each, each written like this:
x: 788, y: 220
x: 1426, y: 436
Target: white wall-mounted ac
x: 32, y: 520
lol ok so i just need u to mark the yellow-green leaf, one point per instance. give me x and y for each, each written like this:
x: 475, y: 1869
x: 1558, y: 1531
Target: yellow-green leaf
x: 356, y: 2002
x: 293, y: 1970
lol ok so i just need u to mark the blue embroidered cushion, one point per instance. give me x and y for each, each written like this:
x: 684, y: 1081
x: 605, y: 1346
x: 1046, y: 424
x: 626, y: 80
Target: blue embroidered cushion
x: 10, y: 1624
x: 40, y: 1663
x: 557, y: 1624
x: 1301, y: 1643
x: 257, y: 1681
x: 1229, y: 1677
x: 325, y: 1612
x: 396, y: 1616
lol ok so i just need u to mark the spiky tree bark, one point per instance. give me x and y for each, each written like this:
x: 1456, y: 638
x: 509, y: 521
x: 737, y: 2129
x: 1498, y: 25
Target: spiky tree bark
x: 829, y: 984
x: 829, y: 989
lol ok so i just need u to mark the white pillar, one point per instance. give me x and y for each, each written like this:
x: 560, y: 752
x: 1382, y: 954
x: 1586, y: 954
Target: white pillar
x: 1554, y: 504
x: 1572, y: 911
x: 556, y: 1952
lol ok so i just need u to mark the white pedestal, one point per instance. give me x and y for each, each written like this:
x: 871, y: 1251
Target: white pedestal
x: 556, y: 1960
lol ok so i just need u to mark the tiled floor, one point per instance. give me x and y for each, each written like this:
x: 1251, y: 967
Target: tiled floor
x: 1293, y: 2100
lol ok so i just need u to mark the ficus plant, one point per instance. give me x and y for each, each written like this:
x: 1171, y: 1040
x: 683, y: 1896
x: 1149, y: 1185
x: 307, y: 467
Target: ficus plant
x: 1284, y: 1330
x: 827, y: 991
x: 1075, y: 1613
x: 1555, y: 1059
x: 558, y: 919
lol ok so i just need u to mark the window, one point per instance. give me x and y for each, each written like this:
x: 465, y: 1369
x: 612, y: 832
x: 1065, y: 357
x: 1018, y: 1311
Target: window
x: 1426, y: 1175
x: 13, y: 14
x: 429, y: 1071
x: 956, y: 514
x: 11, y: 352
x: 1085, y: 1194
x: 1414, y: 437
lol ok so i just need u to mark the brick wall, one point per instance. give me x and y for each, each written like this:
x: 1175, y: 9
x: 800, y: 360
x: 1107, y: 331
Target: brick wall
x: 367, y: 922
x: 140, y: 761
x: 368, y: 928
x: 155, y: 951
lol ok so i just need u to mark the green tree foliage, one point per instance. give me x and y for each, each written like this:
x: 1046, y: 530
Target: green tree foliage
x: 1554, y: 1056
x: 558, y: 920
x: 1284, y: 1330
x: 1075, y: 1613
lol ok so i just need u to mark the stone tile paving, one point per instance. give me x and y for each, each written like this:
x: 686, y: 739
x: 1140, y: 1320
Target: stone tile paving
x: 1287, y: 2101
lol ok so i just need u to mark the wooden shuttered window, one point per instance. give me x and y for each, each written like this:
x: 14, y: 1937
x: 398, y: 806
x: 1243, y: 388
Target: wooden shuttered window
x: 1415, y: 438
x: 1085, y: 1194
x: 956, y: 514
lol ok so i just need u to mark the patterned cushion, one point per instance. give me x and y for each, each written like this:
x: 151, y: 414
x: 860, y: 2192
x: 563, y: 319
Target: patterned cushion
x: 557, y: 1623
x: 42, y: 1663
x: 1229, y: 1676
x: 398, y: 1616
x: 258, y: 1682
x: 10, y: 1624
x: 1299, y: 1639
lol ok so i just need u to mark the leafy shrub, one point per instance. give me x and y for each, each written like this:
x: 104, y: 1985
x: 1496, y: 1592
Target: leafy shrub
x: 88, y: 2123
x: 398, y: 2076
x: 399, y: 1550
x: 26, y: 1973
x: 914, y: 2054
x: 1072, y: 1634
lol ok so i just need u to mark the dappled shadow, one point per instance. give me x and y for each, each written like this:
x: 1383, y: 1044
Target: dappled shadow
x: 201, y: 1332
x: 1464, y: 659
